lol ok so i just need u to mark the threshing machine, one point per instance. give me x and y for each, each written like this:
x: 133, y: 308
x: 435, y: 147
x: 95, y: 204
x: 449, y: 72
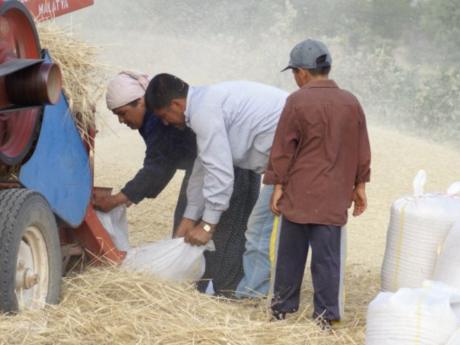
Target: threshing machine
x: 46, y: 174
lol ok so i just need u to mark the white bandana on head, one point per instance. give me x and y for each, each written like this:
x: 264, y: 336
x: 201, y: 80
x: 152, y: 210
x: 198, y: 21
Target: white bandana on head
x: 125, y: 88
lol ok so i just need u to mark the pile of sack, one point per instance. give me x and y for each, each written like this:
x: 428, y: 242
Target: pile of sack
x: 420, y: 302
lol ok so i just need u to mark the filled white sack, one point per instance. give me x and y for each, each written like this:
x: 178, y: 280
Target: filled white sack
x: 116, y: 224
x: 455, y: 338
x: 447, y: 269
x: 170, y: 259
x: 424, y: 316
x: 418, y: 226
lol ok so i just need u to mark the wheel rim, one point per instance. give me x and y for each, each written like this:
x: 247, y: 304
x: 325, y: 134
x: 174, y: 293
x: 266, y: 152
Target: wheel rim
x: 32, y: 270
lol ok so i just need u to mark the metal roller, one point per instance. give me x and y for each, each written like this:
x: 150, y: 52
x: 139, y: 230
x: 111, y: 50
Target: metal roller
x: 19, y: 40
x: 36, y: 85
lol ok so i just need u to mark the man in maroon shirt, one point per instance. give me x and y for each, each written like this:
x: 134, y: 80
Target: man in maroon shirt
x: 319, y: 164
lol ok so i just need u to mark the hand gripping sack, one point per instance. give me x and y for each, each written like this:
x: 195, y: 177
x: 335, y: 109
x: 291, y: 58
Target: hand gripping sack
x: 423, y: 316
x: 170, y: 259
x: 116, y: 224
x: 418, y: 226
x: 447, y: 269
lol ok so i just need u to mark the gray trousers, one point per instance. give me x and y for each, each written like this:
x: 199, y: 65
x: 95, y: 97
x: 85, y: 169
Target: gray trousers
x: 326, y: 268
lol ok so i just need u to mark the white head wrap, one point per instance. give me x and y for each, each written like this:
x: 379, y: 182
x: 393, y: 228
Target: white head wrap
x: 126, y: 87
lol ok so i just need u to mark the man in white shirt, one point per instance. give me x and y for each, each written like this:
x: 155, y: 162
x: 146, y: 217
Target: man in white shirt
x: 234, y: 123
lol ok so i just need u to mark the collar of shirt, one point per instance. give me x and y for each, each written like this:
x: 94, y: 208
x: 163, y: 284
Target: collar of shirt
x: 323, y: 83
x: 149, y: 122
x: 188, y: 105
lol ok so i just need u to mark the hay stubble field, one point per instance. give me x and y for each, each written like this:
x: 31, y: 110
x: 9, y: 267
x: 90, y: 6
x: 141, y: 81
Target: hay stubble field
x: 108, y: 306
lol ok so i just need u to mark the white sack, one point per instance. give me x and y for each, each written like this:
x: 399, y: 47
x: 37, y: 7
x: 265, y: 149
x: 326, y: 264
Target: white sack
x: 418, y: 226
x: 423, y: 316
x: 455, y: 338
x: 170, y: 259
x: 116, y: 224
x: 447, y: 269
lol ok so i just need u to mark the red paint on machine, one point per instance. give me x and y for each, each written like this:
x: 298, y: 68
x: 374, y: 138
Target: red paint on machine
x: 47, y: 9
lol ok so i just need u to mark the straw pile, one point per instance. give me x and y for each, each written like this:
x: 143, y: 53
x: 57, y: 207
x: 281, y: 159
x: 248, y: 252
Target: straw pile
x: 114, y: 307
x: 83, y: 77
x: 108, y: 306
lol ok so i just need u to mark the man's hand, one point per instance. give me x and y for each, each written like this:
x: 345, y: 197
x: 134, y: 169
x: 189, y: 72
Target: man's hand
x: 198, y: 236
x: 184, y: 227
x: 276, y: 196
x: 359, y: 199
x: 107, y: 203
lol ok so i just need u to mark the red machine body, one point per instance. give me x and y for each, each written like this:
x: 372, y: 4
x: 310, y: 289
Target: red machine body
x: 46, y: 9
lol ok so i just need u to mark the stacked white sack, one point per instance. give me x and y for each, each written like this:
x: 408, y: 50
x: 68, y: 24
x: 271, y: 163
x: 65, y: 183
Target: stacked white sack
x: 423, y: 316
x: 447, y: 269
x: 455, y: 338
x: 418, y: 226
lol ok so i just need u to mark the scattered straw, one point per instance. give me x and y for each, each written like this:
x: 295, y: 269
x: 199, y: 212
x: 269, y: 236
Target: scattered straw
x: 109, y: 306
x: 83, y: 77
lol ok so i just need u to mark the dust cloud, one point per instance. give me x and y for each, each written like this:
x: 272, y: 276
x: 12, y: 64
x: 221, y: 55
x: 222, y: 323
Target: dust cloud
x: 399, y: 57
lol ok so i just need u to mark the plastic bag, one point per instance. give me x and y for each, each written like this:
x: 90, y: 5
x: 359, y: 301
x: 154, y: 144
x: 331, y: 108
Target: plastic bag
x: 170, y: 259
x: 116, y: 224
x: 425, y: 316
x: 418, y: 226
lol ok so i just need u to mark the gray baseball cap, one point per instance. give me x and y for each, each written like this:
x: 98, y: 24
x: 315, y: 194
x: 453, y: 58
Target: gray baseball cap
x: 306, y: 53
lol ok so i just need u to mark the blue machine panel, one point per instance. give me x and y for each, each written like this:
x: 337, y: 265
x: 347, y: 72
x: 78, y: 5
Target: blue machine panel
x: 59, y: 168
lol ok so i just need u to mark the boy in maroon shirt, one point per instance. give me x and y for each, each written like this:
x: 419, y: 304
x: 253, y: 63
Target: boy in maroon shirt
x: 319, y: 164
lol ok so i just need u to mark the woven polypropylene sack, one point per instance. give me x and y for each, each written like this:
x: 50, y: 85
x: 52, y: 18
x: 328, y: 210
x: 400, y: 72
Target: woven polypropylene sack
x: 170, y: 259
x: 447, y: 269
x: 418, y: 226
x: 455, y: 338
x: 422, y: 316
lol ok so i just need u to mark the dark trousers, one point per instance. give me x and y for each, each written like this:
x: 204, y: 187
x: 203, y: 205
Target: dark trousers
x: 224, y: 266
x: 293, y: 244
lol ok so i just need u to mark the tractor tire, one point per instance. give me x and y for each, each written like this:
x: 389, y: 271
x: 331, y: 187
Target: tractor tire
x: 30, y: 252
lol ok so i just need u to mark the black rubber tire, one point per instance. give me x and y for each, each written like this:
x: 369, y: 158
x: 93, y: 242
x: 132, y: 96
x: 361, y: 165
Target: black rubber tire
x: 20, y: 208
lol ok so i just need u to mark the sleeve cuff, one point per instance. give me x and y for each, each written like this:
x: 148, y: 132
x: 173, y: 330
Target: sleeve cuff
x: 131, y: 196
x: 193, y: 212
x: 270, y: 178
x: 363, y: 178
x: 211, y: 216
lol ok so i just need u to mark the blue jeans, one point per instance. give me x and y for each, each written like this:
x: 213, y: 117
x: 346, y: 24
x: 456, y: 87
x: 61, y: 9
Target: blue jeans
x: 256, y: 261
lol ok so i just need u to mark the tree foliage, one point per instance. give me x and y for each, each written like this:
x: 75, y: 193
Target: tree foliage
x: 401, y: 57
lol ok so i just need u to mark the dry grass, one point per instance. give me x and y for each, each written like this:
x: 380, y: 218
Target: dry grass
x: 108, y: 306
x: 83, y: 78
